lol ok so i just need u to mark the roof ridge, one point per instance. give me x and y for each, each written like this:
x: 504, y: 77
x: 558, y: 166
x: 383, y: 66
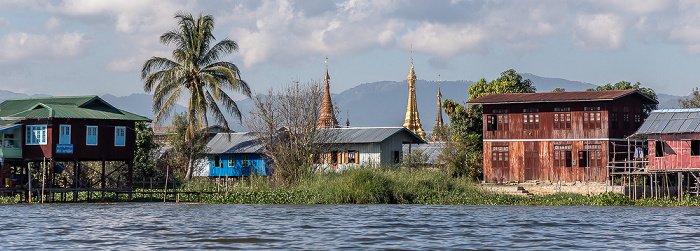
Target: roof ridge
x: 53, y: 97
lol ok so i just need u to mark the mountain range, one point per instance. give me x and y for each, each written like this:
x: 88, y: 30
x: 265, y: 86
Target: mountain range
x: 370, y: 104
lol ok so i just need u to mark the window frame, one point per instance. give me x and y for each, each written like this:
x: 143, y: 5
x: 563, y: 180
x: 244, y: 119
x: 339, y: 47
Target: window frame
x: 117, y: 129
x: 61, y: 132
x: 30, y: 137
x: 88, y: 136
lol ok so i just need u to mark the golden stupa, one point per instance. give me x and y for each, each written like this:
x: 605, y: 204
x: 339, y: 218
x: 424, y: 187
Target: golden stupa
x: 412, y: 121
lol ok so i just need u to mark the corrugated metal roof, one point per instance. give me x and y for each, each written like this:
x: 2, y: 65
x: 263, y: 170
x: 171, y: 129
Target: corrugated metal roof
x: 9, y: 127
x: 354, y: 135
x: 671, y: 121
x: 243, y: 142
x: 90, y: 107
x: 432, y: 149
x: 510, y: 98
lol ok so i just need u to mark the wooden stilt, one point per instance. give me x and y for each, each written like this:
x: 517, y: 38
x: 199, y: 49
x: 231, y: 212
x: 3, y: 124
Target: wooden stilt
x: 103, y: 181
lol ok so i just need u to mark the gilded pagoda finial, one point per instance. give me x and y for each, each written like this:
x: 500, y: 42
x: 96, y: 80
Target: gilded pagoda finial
x: 327, y: 118
x: 412, y: 121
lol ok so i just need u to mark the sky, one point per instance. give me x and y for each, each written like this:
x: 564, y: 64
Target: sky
x: 86, y: 47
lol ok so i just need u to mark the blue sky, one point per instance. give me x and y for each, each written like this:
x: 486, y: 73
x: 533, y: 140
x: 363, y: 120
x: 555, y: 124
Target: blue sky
x: 94, y: 47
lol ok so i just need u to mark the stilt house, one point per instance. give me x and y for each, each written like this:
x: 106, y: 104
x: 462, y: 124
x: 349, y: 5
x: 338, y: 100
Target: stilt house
x: 673, y: 139
x: 556, y: 136
x: 64, y: 129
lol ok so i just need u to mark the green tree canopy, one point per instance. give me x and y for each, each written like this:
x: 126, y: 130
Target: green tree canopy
x: 195, y: 70
x: 691, y: 102
x: 559, y: 89
x: 466, y: 123
x: 624, y: 85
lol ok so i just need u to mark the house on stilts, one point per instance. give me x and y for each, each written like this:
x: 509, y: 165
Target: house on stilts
x: 672, y: 139
x: 49, y: 141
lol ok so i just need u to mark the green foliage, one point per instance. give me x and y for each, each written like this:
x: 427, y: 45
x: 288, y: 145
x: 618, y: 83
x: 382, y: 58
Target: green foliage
x: 464, y: 153
x: 179, y: 159
x: 144, y: 157
x: 624, y: 85
x: 509, y: 82
x: 691, y: 102
x: 558, y: 89
x: 194, y: 71
x: 415, y: 159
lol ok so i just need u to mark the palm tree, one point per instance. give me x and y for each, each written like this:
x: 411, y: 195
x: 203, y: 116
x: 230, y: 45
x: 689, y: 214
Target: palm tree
x: 195, y: 70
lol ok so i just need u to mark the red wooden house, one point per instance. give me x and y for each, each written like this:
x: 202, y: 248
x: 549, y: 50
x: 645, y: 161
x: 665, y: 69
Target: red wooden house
x: 64, y: 129
x: 673, y: 139
x: 556, y: 136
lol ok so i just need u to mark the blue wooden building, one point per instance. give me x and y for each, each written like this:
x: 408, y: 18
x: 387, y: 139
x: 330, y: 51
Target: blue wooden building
x: 239, y: 155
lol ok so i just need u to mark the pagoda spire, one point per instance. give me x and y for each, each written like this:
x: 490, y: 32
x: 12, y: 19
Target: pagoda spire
x: 438, y: 120
x: 327, y: 118
x: 412, y: 121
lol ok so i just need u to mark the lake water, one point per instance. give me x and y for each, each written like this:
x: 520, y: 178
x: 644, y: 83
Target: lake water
x: 195, y: 226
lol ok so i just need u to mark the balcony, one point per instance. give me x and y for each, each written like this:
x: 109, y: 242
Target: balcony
x: 11, y: 152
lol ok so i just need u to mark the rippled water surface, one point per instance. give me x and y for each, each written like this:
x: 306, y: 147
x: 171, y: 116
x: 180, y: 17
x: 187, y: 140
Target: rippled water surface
x: 195, y: 226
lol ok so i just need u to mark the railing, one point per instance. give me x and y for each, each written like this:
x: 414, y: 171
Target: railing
x: 11, y: 152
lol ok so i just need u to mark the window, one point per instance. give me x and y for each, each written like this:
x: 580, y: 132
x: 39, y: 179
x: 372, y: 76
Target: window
x: 503, y: 122
x: 491, y: 124
x: 91, y: 138
x: 119, y: 136
x: 497, y: 122
x: 626, y: 121
x: 695, y: 148
x: 217, y: 161
x: 500, y: 156
x: 64, y: 134
x: 637, y: 120
x: 562, y: 155
x: 659, y: 148
x: 334, y: 157
x: 562, y: 121
x: 245, y: 160
x: 591, y: 120
x: 397, y: 157
x: 36, y: 135
x: 231, y: 161
x: 562, y: 109
x: 594, y: 152
x: 613, y: 119
x: 531, y: 121
x: 592, y: 108
x: 353, y: 157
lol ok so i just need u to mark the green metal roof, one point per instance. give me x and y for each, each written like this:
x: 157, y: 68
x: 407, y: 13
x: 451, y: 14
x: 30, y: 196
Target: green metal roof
x: 85, y: 107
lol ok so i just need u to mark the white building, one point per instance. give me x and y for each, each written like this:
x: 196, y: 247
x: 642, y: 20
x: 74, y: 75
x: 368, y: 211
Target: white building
x: 364, y: 146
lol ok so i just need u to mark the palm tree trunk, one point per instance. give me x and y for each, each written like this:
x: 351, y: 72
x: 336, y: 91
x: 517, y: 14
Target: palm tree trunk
x: 190, y: 166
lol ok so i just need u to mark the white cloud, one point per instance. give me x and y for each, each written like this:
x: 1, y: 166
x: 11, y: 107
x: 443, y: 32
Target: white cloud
x: 25, y: 47
x: 52, y: 23
x: 599, y: 31
x: 275, y: 31
x: 446, y: 41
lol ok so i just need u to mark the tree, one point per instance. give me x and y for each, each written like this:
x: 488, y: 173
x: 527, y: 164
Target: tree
x: 464, y: 153
x: 285, y: 121
x: 181, y: 151
x: 559, y: 89
x: 144, y: 157
x: 194, y: 70
x: 624, y: 85
x: 691, y: 102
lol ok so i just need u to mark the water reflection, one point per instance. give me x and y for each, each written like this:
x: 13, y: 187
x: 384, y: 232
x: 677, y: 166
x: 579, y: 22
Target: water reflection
x: 195, y: 226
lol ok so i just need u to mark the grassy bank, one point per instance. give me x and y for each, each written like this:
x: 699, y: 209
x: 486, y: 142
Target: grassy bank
x: 366, y: 186
x: 400, y: 186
